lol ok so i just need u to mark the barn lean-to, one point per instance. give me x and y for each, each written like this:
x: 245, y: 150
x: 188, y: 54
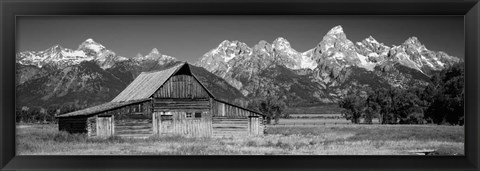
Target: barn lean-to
x: 167, y: 102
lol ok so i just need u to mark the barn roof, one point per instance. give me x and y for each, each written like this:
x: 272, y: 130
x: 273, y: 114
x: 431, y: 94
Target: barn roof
x: 244, y: 108
x: 102, y: 108
x: 140, y: 90
x: 146, y: 84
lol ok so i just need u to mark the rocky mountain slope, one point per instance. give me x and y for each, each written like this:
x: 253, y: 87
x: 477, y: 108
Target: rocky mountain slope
x: 326, y: 72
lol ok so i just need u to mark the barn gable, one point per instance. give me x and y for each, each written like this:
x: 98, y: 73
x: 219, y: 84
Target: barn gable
x: 182, y: 85
x: 148, y: 83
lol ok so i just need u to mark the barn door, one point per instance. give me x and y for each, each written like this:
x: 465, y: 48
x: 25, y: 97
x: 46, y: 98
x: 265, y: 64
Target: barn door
x: 162, y: 122
x: 157, y: 122
x: 105, y: 126
x: 254, y: 125
x: 166, y: 125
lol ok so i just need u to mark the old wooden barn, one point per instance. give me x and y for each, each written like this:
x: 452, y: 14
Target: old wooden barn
x: 170, y: 101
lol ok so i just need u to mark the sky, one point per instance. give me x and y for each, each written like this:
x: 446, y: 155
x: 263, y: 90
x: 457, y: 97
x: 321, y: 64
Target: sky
x: 189, y: 37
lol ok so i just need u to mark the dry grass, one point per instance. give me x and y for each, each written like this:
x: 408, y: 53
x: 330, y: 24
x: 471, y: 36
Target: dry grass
x: 319, y: 121
x: 309, y: 121
x: 279, y: 140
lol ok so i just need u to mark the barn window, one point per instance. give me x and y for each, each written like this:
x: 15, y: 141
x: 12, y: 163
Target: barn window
x: 137, y: 108
x: 188, y: 115
x: 198, y: 114
x: 166, y: 117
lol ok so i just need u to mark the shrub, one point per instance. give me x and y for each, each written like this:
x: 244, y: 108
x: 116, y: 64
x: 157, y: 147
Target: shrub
x: 192, y: 149
x: 115, y: 139
x: 269, y: 144
x: 251, y: 143
x: 283, y: 145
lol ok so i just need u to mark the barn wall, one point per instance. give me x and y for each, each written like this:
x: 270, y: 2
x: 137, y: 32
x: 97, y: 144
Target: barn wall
x: 73, y: 124
x: 230, y: 120
x: 169, y: 115
x: 224, y: 126
x: 181, y: 87
x: 160, y: 105
x: 176, y: 123
x: 127, y: 120
x: 133, y: 125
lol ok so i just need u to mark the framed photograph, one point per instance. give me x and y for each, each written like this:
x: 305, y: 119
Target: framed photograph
x: 240, y: 85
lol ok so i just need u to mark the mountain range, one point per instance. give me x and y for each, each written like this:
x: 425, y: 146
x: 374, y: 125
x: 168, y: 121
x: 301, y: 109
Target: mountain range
x: 92, y: 74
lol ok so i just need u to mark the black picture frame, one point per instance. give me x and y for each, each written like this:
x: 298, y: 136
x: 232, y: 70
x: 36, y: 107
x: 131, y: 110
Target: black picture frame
x: 470, y: 9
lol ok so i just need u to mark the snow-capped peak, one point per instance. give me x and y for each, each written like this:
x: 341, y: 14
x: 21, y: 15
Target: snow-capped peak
x: 139, y: 55
x: 281, y: 40
x: 224, y: 43
x: 336, y: 30
x: 154, y: 54
x: 91, y: 45
x: 230, y: 49
x: 281, y: 43
x: 412, y: 40
x: 370, y: 39
x: 90, y: 40
x: 414, y: 43
x: 55, y: 56
x: 154, y: 51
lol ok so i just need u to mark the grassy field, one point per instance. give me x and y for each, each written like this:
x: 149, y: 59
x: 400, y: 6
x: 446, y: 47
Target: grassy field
x: 328, y: 119
x: 313, y: 121
x: 279, y: 140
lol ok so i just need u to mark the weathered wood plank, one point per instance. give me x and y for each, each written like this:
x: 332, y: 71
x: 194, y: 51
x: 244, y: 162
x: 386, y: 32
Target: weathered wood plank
x: 181, y: 86
x: 230, y: 122
x: 133, y: 132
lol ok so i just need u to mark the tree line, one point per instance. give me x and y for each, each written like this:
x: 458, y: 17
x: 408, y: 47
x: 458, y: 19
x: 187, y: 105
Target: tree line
x: 440, y: 102
x: 41, y: 115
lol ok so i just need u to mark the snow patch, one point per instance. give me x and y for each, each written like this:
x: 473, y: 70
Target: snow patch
x: 328, y: 46
x: 440, y: 63
x: 371, y: 40
x: 229, y: 57
x: 336, y: 30
x: 426, y: 61
x: 404, y: 59
x: 384, y: 53
x: 95, y: 47
x: 363, y: 59
x: 121, y: 58
x: 364, y: 64
x: 338, y: 55
x: 307, y: 62
x: 372, y: 54
x: 215, y: 51
x: 307, y: 53
x: 78, y: 53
